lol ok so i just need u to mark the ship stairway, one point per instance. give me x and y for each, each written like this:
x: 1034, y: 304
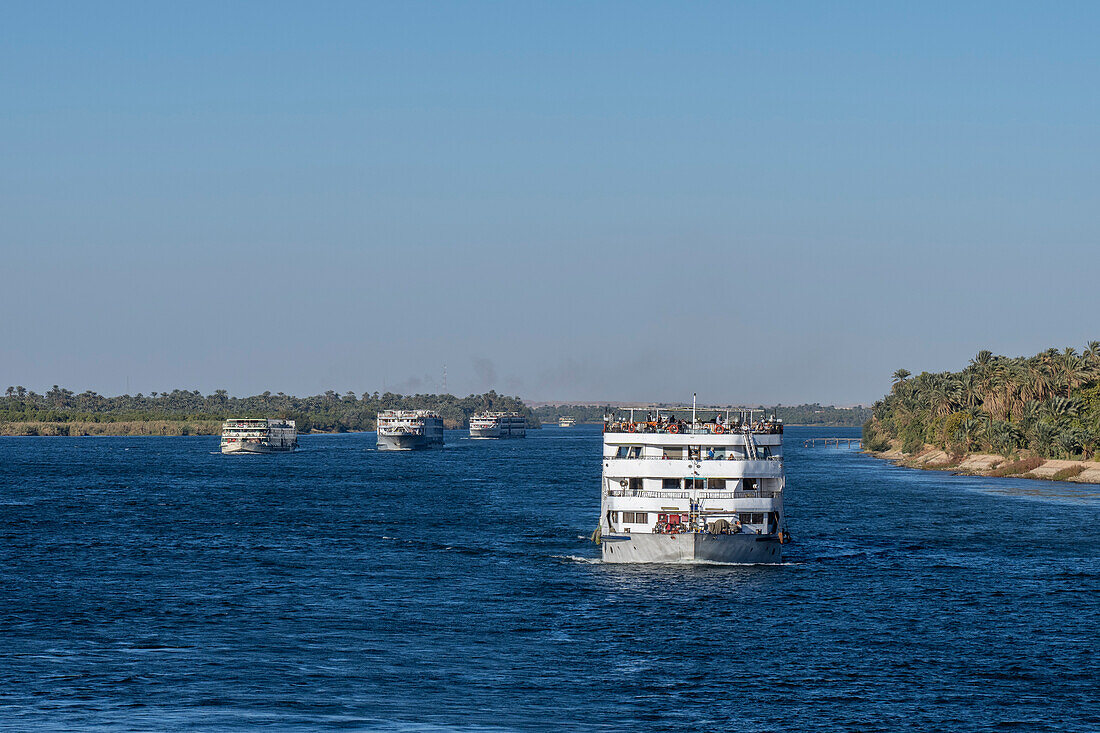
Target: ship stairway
x: 750, y: 445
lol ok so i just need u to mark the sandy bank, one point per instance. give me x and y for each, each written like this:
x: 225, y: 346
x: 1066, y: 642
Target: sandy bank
x: 984, y: 464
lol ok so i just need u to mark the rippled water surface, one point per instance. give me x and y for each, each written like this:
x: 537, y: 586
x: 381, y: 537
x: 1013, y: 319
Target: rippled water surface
x: 152, y: 583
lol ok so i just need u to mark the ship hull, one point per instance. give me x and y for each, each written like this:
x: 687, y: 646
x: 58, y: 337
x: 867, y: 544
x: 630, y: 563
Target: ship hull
x: 407, y: 442
x: 739, y: 549
x: 253, y: 448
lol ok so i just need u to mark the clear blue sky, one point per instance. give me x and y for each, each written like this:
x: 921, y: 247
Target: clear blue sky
x: 760, y: 202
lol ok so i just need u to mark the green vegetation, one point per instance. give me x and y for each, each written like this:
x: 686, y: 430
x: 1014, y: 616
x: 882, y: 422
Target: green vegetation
x: 1047, y: 404
x: 549, y: 414
x: 828, y: 416
x: 179, y: 412
x: 813, y: 414
x: 1067, y: 473
x: 1025, y: 465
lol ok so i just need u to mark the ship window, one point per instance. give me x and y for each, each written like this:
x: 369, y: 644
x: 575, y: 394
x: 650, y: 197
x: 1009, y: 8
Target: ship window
x: 636, y: 484
x: 716, y: 483
x: 674, y: 453
x: 693, y: 451
x: 694, y: 483
x: 613, y: 516
x: 670, y: 483
x: 751, y: 484
x: 635, y: 517
x: 753, y: 518
x: 621, y: 453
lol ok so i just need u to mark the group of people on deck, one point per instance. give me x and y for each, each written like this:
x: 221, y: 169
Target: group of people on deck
x: 671, y: 424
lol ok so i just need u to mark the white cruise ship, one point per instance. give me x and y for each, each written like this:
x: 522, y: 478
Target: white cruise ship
x: 409, y: 429
x: 678, y: 488
x: 498, y: 425
x: 258, y: 435
x: 566, y: 422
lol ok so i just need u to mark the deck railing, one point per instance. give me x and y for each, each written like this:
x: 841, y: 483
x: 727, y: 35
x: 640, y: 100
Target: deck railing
x: 704, y: 458
x: 641, y: 494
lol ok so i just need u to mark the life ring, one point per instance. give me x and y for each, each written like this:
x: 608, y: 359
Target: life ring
x: 631, y: 429
x: 719, y: 430
x: 673, y: 428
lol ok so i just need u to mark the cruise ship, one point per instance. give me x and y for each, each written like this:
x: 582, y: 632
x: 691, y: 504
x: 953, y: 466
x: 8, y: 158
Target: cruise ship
x: 566, y: 422
x: 678, y: 488
x: 498, y: 425
x: 258, y: 435
x: 409, y: 429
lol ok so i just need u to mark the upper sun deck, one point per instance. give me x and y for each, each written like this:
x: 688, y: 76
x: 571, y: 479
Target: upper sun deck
x: 497, y: 416
x: 408, y: 415
x: 706, y: 425
x: 250, y: 425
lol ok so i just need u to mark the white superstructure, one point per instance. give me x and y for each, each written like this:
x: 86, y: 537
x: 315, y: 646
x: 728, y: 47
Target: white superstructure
x: 409, y: 429
x: 692, y: 485
x: 498, y: 425
x: 258, y: 435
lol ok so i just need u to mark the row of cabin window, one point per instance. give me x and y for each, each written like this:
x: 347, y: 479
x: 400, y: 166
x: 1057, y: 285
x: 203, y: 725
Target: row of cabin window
x: 643, y: 517
x: 674, y: 484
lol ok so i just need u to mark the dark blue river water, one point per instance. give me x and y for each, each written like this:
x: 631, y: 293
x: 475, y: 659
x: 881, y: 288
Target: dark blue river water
x: 152, y: 583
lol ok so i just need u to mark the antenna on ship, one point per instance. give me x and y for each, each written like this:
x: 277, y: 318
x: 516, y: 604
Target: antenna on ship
x: 692, y: 410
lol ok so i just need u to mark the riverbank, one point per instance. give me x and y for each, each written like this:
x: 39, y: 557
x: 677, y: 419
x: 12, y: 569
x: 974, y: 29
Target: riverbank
x: 164, y: 428
x: 985, y: 464
x: 173, y: 428
x: 134, y: 427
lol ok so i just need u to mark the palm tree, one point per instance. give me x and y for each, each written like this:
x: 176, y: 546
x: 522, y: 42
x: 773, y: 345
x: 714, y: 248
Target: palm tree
x: 1002, y: 437
x: 901, y: 375
x: 941, y: 399
x: 1043, y: 436
x: 1039, y: 380
x: 982, y: 361
x: 1071, y: 369
x: 1091, y: 353
x: 1070, y: 441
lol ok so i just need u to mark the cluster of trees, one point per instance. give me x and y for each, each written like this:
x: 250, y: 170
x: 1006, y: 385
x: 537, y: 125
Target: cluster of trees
x: 827, y: 416
x: 813, y: 414
x: 330, y: 412
x: 549, y: 414
x: 1048, y: 404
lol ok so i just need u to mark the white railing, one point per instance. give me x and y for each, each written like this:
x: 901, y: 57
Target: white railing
x: 668, y: 458
x: 641, y: 494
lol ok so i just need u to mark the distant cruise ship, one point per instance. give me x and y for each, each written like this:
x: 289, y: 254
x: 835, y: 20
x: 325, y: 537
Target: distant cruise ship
x: 409, y: 429
x: 566, y: 422
x: 498, y: 425
x: 258, y: 435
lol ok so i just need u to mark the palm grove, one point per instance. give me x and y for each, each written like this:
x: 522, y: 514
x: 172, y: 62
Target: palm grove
x: 1047, y: 404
